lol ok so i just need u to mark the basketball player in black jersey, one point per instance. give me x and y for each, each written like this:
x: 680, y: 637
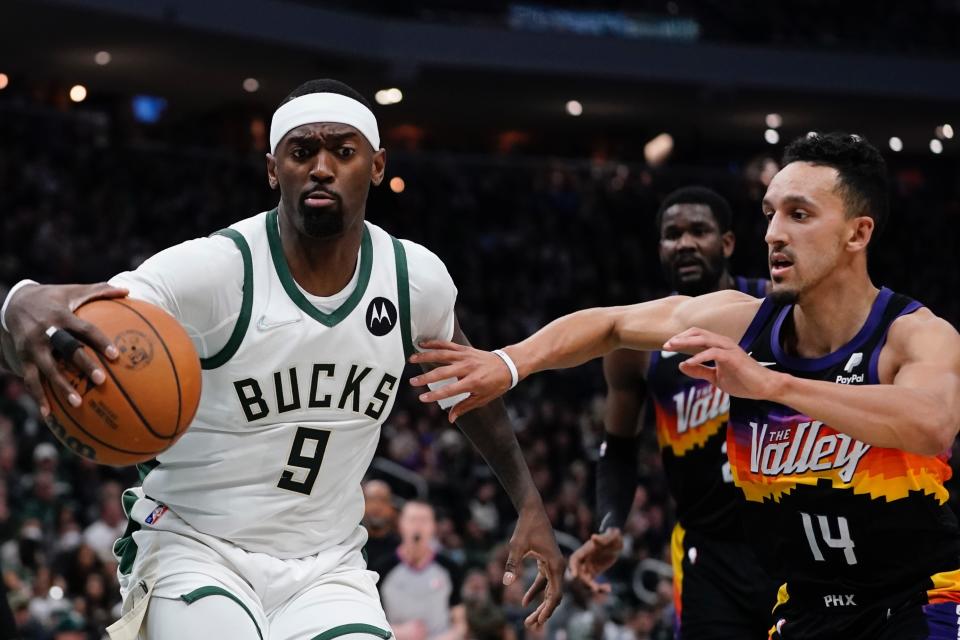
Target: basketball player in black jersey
x: 720, y: 591
x: 845, y: 398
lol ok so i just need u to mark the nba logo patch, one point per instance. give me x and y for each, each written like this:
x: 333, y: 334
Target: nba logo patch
x: 156, y: 514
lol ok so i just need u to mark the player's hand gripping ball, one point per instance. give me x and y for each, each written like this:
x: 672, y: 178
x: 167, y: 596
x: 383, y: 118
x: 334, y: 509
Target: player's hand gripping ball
x: 151, y: 391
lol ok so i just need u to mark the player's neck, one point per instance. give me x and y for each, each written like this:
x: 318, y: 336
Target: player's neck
x: 828, y: 317
x: 322, y: 266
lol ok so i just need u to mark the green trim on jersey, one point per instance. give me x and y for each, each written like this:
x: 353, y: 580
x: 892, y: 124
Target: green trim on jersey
x: 125, y: 549
x: 246, y: 308
x: 403, y: 296
x: 290, y: 285
x: 344, y: 629
x: 203, y: 592
x: 144, y: 468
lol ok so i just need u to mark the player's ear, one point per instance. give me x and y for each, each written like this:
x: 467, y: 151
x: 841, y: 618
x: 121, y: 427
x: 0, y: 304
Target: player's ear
x: 272, y: 178
x: 861, y: 230
x: 729, y: 241
x: 379, y: 166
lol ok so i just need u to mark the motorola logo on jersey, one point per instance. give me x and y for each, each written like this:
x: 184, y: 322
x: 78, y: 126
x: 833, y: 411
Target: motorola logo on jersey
x: 381, y: 316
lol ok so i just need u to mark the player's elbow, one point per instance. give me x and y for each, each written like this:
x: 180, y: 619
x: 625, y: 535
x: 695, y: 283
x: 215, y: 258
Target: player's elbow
x: 935, y: 435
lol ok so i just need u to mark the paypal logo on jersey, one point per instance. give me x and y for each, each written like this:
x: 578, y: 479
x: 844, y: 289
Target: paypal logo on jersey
x: 381, y: 316
x: 854, y: 361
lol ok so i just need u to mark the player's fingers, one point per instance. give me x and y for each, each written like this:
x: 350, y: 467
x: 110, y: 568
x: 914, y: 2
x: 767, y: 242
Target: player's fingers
x: 93, y: 336
x: 510, y: 566
x: 577, y: 561
x: 688, y: 343
x: 700, y: 371
x: 713, y: 353
x: 89, y: 366
x: 31, y: 378
x: 438, y: 356
x: 551, y: 600
x: 456, y: 370
x: 49, y: 370
x: 445, y: 345
x: 466, y: 406
x: 446, y: 391
x: 539, y: 584
x: 99, y: 291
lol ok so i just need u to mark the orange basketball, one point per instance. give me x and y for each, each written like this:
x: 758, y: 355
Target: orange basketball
x: 151, y: 392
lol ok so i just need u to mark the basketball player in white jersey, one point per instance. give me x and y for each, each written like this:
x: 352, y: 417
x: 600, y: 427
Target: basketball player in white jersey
x: 248, y: 527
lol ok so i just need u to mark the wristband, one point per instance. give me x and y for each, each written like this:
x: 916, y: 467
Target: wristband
x: 507, y: 360
x: 13, y: 290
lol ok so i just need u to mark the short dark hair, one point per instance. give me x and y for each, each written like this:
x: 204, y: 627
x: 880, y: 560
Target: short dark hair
x: 861, y: 170
x: 327, y: 85
x: 696, y: 194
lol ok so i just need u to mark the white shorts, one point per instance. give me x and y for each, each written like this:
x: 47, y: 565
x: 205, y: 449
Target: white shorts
x: 328, y: 595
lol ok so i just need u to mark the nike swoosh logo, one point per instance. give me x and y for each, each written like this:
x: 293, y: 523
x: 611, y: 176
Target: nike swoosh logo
x: 668, y: 354
x: 763, y: 364
x: 265, y: 325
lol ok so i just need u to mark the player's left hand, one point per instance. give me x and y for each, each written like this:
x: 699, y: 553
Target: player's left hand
x: 733, y: 370
x: 534, y: 538
x: 482, y: 374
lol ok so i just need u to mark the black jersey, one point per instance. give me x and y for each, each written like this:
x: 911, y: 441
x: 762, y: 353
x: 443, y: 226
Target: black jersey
x: 843, y: 522
x: 691, y: 421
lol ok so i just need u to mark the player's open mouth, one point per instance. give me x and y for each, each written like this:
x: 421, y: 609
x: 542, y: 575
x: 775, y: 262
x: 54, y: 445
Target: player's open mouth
x: 779, y: 264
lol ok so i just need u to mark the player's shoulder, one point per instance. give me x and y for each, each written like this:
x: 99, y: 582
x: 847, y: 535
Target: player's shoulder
x: 421, y: 257
x: 426, y: 271
x: 920, y: 332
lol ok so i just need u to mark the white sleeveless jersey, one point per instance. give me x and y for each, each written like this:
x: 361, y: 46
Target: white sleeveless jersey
x: 292, y: 405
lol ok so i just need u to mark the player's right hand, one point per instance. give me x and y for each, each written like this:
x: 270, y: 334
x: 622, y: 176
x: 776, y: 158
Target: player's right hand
x: 482, y: 374
x: 595, y: 556
x: 35, y: 308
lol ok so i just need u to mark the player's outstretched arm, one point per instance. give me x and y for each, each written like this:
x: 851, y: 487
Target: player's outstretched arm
x: 27, y: 350
x: 490, y: 431
x: 577, y: 338
x: 915, y: 409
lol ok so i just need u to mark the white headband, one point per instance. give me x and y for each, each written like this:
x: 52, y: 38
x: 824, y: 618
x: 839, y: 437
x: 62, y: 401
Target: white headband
x: 323, y: 107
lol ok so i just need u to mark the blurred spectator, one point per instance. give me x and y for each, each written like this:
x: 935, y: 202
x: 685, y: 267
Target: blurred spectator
x: 380, y: 520
x: 101, y: 535
x: 420, y: 588
x: 486, y: 622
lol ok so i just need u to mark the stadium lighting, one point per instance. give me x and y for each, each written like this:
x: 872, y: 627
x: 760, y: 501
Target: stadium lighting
x: 774, y: 120
x: 102, y: 58
x: 251, y: 84
x: 574, y: 108
x: 388, y: 96
x: 896, y: 144
x: 397, y: 185
x: 4, y: 81
x: 947, y: 130
x: 771, y: 136
x: 936, y: 146
x: 78, y: 93
x: 657, y: 150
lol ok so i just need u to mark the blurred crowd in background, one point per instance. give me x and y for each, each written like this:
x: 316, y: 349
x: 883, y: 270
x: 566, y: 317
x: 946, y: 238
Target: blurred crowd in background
x: 526, y: 240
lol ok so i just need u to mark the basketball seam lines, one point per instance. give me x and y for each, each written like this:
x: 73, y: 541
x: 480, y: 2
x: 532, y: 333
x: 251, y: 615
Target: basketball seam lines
x: 136, y: 409
x: 173, y: 365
